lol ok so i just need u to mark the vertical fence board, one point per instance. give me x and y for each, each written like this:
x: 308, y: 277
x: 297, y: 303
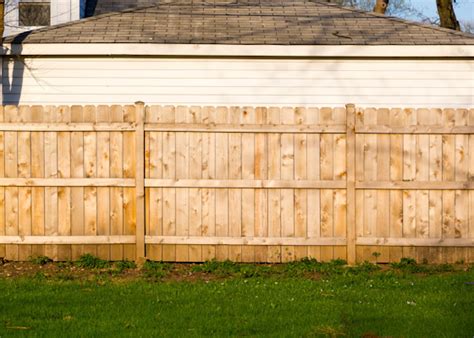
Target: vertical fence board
x: 154, y: 200
x: 63, y: 114
x: 90, y: 171
x: 222, y: 195
x: 167, y: 114
x: 77, y: 171
x: 116, y: 193
x: 274, y: 196
x: 11, y: 193
x: 24, y: 171
x: 51, y: 193
x: 235, y: 195
x: 103, y: 171
x: 261, y: 195
x: 248, y: 173
x: 327, y: 173
x: 37, y: 171
x: 208, y: 196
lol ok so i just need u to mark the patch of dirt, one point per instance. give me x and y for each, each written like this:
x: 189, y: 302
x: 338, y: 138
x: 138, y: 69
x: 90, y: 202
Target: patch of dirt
x: 64, y: 271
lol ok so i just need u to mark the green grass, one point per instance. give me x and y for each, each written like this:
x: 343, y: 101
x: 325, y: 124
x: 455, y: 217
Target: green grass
x: 305, y: 298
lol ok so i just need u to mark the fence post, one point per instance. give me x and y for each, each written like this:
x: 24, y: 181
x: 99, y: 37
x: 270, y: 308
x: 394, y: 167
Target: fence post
x: 140, y: 180
x: 350, y: 183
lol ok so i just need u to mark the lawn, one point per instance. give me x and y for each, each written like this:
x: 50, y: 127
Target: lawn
x: 225, y: 299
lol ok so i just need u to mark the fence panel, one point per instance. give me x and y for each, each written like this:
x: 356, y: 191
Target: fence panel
x: 241, y: 183
x: 414, y: 184
x: 245, y: 184
x: 68, y: 182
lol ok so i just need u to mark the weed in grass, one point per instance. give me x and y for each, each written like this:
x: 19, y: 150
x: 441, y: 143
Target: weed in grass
x: 156, y: 270
x: 101, y: 279
x: 311, y: 265
x: 442, y: 268
x: 228, y: 268
x: 65, y: 265
x: 409, y: 265
x: 365, y: 267
x: 121, y: 266
x: 89, y: 261
x: 221, y: 269
x: 64, y: 276
x: 40, y: 276
x: 252, y: 271
x: 40, y: 260
x: 404, y: 263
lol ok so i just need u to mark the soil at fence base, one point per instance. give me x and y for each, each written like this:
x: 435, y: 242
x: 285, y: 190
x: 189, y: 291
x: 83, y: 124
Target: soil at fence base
x: 176, y: 272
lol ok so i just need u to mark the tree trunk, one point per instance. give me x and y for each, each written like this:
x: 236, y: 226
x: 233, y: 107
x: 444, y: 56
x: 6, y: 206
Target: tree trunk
x: 381, y: 6
x: 447, y: 17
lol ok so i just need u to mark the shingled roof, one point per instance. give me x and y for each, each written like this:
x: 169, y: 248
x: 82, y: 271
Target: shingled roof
x: 245, y: 22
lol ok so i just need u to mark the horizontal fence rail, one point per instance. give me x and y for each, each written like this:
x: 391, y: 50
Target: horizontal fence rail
x: 263, y: 184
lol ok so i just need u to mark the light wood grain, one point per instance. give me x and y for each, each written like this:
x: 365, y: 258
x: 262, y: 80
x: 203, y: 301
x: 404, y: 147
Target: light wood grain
x: 253, y: 184
x: 285, y: 241
x: 140, y: 180
x: 67, y: 240
x: 245, y: 128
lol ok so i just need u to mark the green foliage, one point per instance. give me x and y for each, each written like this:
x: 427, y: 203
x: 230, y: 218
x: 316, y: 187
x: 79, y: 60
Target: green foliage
x: 40, y: 276
x: 121, y: 266
x: 64, y: 276
x: 228, y: 268
x: 65, y: 265
x: 311, y: 265
x: 156, y: 270
x: 365, y: 267
x: 89, y: 261
x: 225, y: 268
x: 40, y: 260
x: 409, y: 265
x: 404, y: 263
x: 253, y: 270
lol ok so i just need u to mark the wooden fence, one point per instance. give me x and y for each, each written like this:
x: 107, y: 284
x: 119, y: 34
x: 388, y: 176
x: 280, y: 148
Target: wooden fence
x: 246, y: 184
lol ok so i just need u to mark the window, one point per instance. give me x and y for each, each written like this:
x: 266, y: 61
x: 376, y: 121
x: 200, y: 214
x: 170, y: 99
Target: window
x: 34, y: 13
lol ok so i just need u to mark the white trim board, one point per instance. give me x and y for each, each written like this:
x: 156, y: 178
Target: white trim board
x: 132, y: 49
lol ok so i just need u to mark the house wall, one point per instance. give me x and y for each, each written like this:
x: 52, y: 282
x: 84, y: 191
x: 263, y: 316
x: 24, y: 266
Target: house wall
x: 239, y: 81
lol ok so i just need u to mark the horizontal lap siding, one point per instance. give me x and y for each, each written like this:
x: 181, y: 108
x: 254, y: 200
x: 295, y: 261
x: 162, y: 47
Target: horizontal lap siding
x: 427, y: 83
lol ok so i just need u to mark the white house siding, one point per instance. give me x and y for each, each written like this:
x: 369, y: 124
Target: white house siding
x: 64, y: 11
x: 204, y: 81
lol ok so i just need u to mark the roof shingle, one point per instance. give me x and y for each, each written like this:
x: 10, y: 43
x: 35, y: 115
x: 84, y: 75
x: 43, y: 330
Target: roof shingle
x: 248, y: 22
